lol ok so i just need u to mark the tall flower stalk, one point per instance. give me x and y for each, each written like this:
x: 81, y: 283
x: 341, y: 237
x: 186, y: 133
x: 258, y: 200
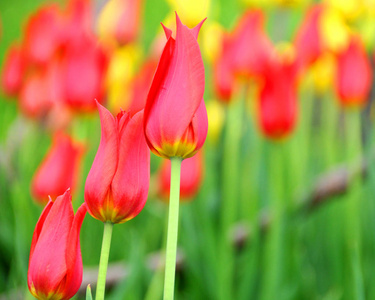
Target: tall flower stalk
x: 175, y: 122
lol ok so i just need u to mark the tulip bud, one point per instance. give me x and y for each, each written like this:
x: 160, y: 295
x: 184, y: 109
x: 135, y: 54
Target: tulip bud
x: 55, y: 263
x: 117, y: 184
x: 245, y: 52
x: 85, y: 66
x: 191, y: 177
x: 308, y: 41
x: 13, y: 71
x: 44, y: 35
x: 175, y: 120
x: 354, y: 74
x: 278, y: 100
x: 59, y: 169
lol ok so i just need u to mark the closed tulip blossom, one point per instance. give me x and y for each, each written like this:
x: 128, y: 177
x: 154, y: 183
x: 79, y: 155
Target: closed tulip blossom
x: 55, y: 263
x: 59, y: 169
x: 354, y: 75
x: 175, y: 114
x: 245, y: 52
x: 278, y: 106
x: 191, y: 177
x: 117, y: 184
x: 13, y: 71
x: 175, y: 122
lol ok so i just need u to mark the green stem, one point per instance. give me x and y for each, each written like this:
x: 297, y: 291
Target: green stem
x: 103, y: 264
x: 171, y: 250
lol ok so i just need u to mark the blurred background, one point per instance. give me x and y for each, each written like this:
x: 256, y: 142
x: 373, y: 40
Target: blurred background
x: 279, y: 204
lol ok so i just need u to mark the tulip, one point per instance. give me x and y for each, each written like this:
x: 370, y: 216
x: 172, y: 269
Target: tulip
x: 117, y: 184
x: 119, y: 21
x: 354, y: 75
x: 191, y: 11
x: 83, y: 73
x: 191, y: 177
x: 59, y: 169
x: 175, y: 119
x: 245, y: 52
x: 278, y: 100
x: 55, y: 263
x: 308, y: 42
x: 121, y: 70
x: 44, y: 35
x: 13, y: 71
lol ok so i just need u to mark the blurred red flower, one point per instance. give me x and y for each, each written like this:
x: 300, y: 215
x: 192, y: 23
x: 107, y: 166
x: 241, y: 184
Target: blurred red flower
x: 59, y: 169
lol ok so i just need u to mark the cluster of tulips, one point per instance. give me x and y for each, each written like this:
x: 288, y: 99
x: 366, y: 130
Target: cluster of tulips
x: 63, y: 69
x: 60, y: 67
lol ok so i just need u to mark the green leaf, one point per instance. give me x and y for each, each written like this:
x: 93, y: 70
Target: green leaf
x: 88, y: 293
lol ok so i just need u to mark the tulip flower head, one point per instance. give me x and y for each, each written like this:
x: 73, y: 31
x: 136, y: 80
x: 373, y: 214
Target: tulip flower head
x: 278, y: 107
x: 354, y: 75
x: 175, y: 121
x: 13, y: 71
x: 117, y: 184
x: 59, y: 169
x: 55, y: 264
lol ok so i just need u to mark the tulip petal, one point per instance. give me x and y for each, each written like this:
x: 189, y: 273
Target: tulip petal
x: 167, y: 31
x: 176, y: 90
x: 58, y: 170
x: 39, y: 226
x: 47, y: 264
x: 196, y: 29
x: 73, y: 255
x: 105, y: 163
x: 131, y: 182
x: 200, y: 125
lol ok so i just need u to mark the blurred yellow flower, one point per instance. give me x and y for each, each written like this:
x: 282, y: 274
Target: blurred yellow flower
x: 191, y: 11
x: 121, y: 71
x: 335, y: 32
x: 322, y: 72
x: 216, y: 116
x: 273, y: 3
x: 350, y: 9
x: 212, y: 34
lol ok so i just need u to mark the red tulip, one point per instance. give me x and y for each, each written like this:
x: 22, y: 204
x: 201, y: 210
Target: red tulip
x: 117, y: 184
x: 13, y: 71
x: 251, y: 46
x: 223, y: 75
x: 278, y: 100
x: 191, y: 177
x: 34, y: 96
x: 245, y: 52
x: 55, y: 263
x: 44, y: 35
x: 84, y: 67
x: 308, y: 41
x: 59, y: 169
x: 354, y: 74
x: 175, y: 119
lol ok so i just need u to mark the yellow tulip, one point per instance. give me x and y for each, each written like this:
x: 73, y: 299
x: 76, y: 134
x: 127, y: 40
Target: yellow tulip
x: 121, y: 70
x: 191, y: 12
x: 216, y: 116
x: 335, y: 32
